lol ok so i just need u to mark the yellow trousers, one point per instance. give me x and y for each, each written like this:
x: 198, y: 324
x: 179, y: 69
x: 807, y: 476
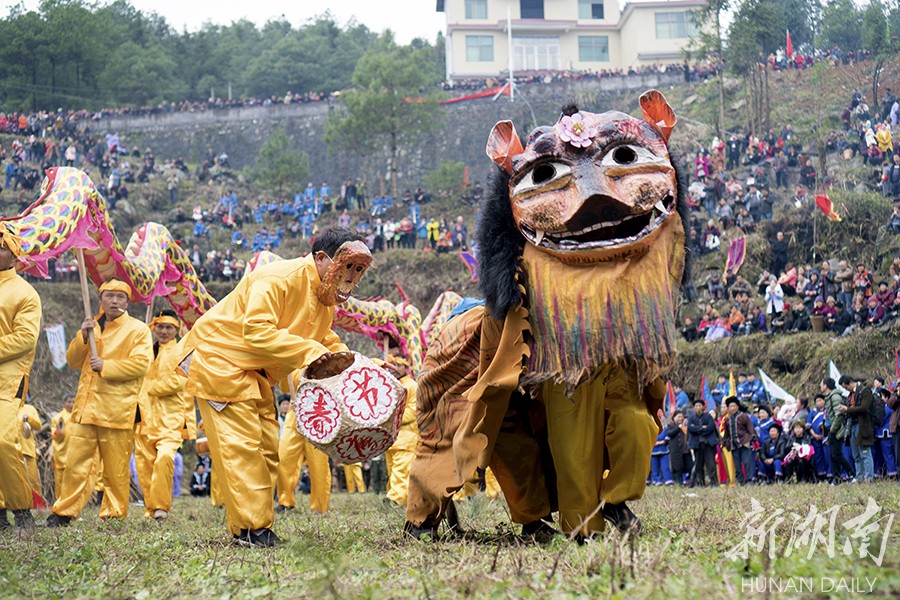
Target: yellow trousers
x: 243, y: 446
x: 353, y: 475
x: 33, y: 475
x: 398, y: 462
x: 491, y: 485
x: 293, y: 451
x: 154, y: 460
x: 215, y: 490
x: 15, y: 491
x: 114, y: 446
x: 605, y: 425
x: 58, y: 474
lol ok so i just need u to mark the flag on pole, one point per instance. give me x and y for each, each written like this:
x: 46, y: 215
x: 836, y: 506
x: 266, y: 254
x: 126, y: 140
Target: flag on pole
x: 789, y: 46
x: 776, y: 391
x: 472, y: 263
x: 670, y: 398
x: 833, y: 371
x: 736, y: 253
x: 825, y: 205
x: 56, y: 341
x: 706, y: 393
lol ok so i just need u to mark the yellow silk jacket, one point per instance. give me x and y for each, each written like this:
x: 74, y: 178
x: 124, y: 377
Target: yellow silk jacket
x: 162, y: 399
x: 271, y: 324
x: 20, y: 326
x: 109, y: 398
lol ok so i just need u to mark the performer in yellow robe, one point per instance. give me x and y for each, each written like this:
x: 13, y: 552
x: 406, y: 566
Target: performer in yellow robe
x: 162, y: 407
x: 277, y: 319
x: 20, y: 325
x: 30, y: 425
x: 105, y: 405
x: 59, y: 424
x: 354, y: 479
x: 400, y: 456
x: 293, y: 451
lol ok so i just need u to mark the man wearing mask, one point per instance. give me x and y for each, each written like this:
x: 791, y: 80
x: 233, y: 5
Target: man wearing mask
x: 278, y: 319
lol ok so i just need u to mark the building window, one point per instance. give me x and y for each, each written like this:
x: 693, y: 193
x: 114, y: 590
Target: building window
x: 531, y: 9
x: 476, y: 9
x: 590, y: 9
x: 673, y: 25
x: 480, y: 48
x: 593, y: 48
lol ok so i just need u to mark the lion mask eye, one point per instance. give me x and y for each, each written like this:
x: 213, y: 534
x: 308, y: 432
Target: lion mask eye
x: 540, y: 175
x: 628, y: 154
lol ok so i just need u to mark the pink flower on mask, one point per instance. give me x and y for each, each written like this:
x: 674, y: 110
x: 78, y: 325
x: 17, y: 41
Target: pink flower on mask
x: 575, y: 131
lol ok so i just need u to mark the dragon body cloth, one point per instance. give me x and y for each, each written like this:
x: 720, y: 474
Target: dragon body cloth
x: 70, y: 213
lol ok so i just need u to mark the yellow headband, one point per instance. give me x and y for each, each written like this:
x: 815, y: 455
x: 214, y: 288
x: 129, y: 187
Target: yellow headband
x: 11, y: 239
x: 164, y: 320
x: 114, y: 285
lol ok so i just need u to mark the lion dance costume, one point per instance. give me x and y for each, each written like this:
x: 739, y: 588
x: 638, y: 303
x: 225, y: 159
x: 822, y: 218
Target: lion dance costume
x: 556, y: 381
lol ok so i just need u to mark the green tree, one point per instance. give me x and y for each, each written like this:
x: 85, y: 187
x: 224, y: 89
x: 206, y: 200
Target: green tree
x: 876, y: 37
x: 841, y: 24
x: 278, y: 166
x: 708, y: 44
x: 446, y: 179
x: 393, y: 101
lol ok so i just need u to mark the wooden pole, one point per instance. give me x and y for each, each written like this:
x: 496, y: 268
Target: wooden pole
x: 86, y: 298
x: 149, y: 315
x: 387, y: 351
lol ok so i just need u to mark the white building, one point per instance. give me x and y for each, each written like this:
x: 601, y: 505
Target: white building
x: 591, y: 35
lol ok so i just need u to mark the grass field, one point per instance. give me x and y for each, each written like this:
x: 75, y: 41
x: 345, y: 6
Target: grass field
x: 358, y: 551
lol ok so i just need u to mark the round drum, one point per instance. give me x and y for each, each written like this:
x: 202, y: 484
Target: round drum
x: 349, y: 407
x: 202, y: 446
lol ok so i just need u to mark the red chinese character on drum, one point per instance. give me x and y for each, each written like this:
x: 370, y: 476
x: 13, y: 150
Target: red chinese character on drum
x: 367, y: 395
x: 318, y: 415
x: 361, y: 444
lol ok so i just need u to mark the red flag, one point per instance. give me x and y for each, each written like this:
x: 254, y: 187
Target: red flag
x: 824, y: 204
x: 789, y: 46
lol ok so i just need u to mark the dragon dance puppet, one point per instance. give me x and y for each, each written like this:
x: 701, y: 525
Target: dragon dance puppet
x: 556, y: 381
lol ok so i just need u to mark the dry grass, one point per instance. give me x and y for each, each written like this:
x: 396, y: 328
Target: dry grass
x: 358, y: 551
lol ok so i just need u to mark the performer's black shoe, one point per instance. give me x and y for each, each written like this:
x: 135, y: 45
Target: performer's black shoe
x: 55, y: 520
x: 417, y: 533
x: 257, y: 538
x: 453, y: 526
x: 541, y: 531
x: 4, y: 521
x: 622, y: 518
x: 23, y: 519
x: 280, y: 508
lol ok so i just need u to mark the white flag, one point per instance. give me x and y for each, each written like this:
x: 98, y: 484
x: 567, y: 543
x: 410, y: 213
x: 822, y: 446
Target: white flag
x: 776, y: 391
x: 833, y: 371
x: 56, y: 339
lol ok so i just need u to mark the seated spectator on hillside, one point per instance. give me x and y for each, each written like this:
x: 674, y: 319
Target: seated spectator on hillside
x: 689, y: 330
x: 201, y: 230
x: 839, y: 321
x: 238, y: 239
x: 738, y: 287
x: 885, y: 296
x: 801, y: 318
x: 876, y: 313
x: 715, y: 288
x: 893, y: 224
x: 711, y: 240
x: 808, y: 174
x: 862, y: 280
